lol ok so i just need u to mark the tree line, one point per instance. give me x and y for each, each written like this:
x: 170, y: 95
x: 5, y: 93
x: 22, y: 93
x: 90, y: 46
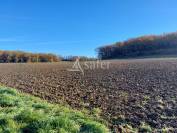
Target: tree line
x: 81, y: 58
x: 165, y: 44
x: 24, y: 57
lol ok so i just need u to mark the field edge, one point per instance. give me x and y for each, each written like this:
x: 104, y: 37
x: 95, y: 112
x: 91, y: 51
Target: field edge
x: 20, y: 112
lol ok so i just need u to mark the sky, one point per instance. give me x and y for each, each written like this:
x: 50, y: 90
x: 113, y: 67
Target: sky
x: 78, y: 27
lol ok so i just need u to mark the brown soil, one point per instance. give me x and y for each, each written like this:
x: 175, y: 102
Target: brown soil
x: 129, y: 92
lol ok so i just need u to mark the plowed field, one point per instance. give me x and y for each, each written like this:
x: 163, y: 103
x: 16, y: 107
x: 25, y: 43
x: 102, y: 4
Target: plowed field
x: 129, y: 92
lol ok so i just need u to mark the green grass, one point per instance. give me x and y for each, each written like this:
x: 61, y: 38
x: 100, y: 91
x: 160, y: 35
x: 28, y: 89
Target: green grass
x: 22, y: 113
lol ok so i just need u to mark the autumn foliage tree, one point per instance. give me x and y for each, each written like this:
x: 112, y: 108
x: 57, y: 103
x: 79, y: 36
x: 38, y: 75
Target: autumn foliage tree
x: 23, y: 57
x: 165, y: 44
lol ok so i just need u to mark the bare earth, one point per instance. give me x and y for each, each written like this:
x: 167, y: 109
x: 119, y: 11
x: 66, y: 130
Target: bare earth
x: 130, y: 91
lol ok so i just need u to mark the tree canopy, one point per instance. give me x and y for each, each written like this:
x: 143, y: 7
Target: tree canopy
x: 165, y: 44
x: 24, y: 57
